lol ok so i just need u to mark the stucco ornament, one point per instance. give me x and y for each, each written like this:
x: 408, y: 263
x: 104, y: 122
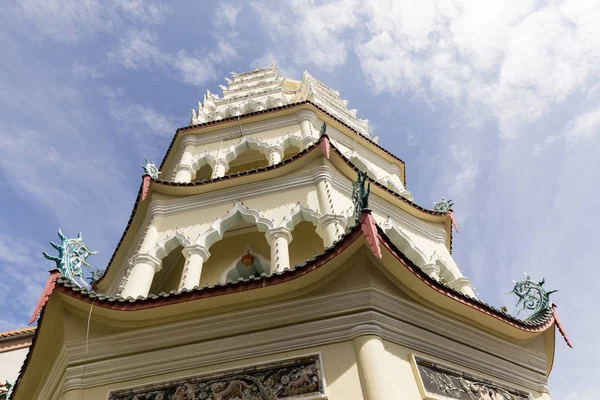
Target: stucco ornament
x: 72, y: 254
x: 150, y: 169
x: 443, y: 205
x: 532, y: 296
x: 360, y: 194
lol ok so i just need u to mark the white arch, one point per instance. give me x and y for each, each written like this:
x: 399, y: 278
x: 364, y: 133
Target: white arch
x: 237, y: 214
x: 247, y: 143
x: 165, y: 246
x: 201, y: 161
x: 298, y: 214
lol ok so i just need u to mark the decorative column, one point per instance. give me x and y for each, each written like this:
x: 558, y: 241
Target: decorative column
x: 141, y: 274
x: 327, y: 226
x: 184, y: 173
x: 195, y: 256
x: 221, y: 167
x: 433, y: 270
x: 279, y: 239
x: 463, y: 285
x: 274, y: 155
x: 184, y: 170
x: 376, y: 380
x: 327, y: 229
x: 305, y: 117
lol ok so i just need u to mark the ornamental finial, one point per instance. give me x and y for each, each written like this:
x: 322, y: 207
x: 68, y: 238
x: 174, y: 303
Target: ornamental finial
x: 150, y: 169
x: 360, y: 195
x: 533, y: 296
x: 72, y: 254
x: 443, y: 205
x: 323, y: 129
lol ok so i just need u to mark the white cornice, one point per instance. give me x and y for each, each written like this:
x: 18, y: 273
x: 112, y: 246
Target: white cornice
x: 231, y: 336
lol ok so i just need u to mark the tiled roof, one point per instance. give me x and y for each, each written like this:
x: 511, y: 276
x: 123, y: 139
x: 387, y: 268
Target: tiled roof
x: 17, y: 332
x: 263, y: 280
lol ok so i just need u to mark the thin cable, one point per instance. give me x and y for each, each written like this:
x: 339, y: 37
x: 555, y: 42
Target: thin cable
x: 87, y: 333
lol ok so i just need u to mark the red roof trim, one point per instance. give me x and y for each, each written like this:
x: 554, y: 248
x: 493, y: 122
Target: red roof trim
x: 46, y: 292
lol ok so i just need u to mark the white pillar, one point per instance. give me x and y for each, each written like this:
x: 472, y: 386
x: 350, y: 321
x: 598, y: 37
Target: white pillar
x: 184, y: 173
x: 327, y: 226
x: 150, y: 238
x: 327, y: 229
x: 274, y: 155
x: 433, y: 270
x: 195, y: 256
x: 376, y: 379
x: 221, y: 167
x: 279, y: 239
x: 304, y: 117
x: 141, y: 275
x: 463, y: 285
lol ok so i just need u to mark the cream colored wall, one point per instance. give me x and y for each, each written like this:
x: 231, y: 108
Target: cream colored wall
x: 339, y: 367
x: 10, y: 364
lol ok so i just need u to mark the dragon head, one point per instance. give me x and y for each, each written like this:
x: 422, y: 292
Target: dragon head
x: 72, y: 254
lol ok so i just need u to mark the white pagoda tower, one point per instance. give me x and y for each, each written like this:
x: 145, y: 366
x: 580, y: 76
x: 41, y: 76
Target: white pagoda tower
x: 276, y: 253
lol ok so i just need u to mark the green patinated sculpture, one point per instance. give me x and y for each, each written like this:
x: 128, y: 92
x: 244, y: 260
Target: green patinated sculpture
x: 360, y: 194
x: 443, y: 205
x: 72, y: 254
x: 533, y: 296
x: 323, y: 129
x: 5, y: 395
x: 150, y: 169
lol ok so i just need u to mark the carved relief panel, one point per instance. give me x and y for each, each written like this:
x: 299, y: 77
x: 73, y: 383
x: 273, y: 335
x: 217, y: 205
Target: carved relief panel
x: 437, y: 382
x: 299, y: 378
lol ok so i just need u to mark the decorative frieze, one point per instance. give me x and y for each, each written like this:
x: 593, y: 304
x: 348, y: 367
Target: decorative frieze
x: 299, y: 378
x: 437, y: 382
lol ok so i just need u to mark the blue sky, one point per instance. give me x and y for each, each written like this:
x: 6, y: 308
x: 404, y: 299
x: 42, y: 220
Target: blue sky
x: 492, y: 104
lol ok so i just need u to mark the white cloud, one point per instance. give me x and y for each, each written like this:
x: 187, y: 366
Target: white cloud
x: 314, y: 28
x: 585, y: 127
x: 72, y: 21
x: 137, y: 49
x: 227, y: 13
x: 135, y: 119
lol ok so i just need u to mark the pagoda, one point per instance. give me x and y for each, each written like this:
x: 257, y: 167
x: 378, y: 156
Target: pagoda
x: 275, y: 253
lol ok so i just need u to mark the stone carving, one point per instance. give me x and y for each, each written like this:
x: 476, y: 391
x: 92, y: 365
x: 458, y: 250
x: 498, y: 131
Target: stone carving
x: 72, y: 254
x: 533, y: 296
x: 441, y: 382
x: 281, y: 380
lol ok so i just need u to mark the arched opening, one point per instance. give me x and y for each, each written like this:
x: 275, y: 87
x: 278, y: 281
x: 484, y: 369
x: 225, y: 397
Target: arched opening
x: 169, y: 277
x: 226, y: 254
x: 203, y: 174
x: 249, y: 263
x: 290, y: 151
x: 305, y: 243
x: 248, y: 160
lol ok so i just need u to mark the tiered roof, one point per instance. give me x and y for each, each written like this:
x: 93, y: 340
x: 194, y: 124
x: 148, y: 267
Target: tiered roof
x: 263, y: 89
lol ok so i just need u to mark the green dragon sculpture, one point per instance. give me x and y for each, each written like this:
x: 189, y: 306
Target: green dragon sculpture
x: 150, y: 169
x: 360, y: 194
x: 72, y: 254
x: 443, y: 205
x: 533, y: 296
